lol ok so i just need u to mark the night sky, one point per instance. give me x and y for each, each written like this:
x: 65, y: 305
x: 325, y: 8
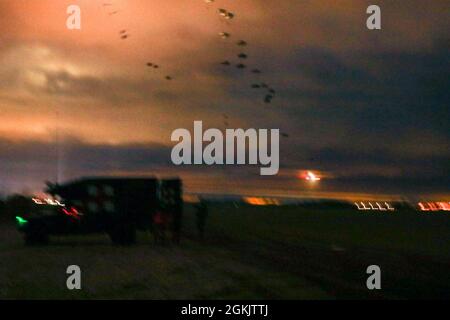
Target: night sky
x: 367, y: 110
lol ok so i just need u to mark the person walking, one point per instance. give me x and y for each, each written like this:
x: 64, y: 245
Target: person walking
x: 202, y: 215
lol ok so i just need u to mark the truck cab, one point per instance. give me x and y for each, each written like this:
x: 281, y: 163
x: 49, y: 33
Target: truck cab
x: 116, y: 206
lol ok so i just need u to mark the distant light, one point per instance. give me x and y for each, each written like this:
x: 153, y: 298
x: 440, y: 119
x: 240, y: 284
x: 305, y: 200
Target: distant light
x: 445, y: 206
x: 380, y: 207
x: 434, y: 206
x: 257, y: 201
x: 369, y: 206
x: 310, y: 176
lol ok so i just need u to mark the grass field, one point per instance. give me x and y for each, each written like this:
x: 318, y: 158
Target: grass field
x: 249, y: 253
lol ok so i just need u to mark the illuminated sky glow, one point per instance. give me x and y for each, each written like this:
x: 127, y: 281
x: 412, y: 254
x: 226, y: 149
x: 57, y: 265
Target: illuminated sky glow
x: 366, y: 110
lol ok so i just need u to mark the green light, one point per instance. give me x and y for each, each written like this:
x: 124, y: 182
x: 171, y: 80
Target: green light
x: 21, y: 221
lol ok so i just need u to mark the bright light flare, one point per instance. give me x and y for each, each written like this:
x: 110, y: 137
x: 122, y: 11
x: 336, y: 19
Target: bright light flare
x: 310, y: 176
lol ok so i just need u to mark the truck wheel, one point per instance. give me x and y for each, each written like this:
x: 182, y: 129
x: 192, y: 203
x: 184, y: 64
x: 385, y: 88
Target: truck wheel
x: 112, y: 236
x: 124, y: 234
x: 35, y: 238
x: 129, y: 234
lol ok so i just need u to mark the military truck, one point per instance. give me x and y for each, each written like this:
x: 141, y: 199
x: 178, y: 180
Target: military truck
x: 116, y: 206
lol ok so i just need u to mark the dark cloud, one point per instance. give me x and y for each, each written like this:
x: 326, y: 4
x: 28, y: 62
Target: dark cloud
x: 378, y: 102
x: 34, y: 162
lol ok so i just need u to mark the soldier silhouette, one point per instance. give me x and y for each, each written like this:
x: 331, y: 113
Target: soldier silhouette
x: 201, y: 215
